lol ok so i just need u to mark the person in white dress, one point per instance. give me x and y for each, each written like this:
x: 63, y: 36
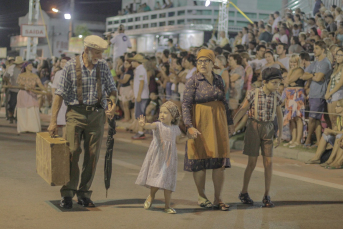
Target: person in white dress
x: 61, y: 117
x: 160, y: 164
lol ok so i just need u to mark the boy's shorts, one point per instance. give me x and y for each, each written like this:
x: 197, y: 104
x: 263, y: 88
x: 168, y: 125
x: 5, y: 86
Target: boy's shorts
x: 258, y: 134
x: 331, y: 138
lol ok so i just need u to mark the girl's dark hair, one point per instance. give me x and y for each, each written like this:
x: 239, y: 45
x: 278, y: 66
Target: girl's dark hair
x: 122, y: 58
x: 166, y: 53
x: 192, y: 59
x: 237, y: 58
x: 271, y: 53
x: 166, y: 65
x: 179, y: 61
x: 315, y: 31
x: 183, y: 54
x: 130, y: 55
x: 296, y: 40
x: 45, y: 64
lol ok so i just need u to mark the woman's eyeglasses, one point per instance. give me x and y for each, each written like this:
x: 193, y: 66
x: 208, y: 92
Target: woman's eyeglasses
x: 200, y: 62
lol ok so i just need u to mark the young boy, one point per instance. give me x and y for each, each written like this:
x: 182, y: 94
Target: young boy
x: 263, y: 104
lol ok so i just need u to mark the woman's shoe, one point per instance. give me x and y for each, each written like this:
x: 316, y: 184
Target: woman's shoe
x: 170, y: 210
x: 221, y: 206
x: 245, y: 198
x: 147, y: 204
x: 293, y: 145
x: 267, y: 203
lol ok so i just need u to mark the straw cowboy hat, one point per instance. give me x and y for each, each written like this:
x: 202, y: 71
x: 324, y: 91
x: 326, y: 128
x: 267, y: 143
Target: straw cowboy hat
x: 139, y: 58
x: 95, y: 42
x: 18, y: 60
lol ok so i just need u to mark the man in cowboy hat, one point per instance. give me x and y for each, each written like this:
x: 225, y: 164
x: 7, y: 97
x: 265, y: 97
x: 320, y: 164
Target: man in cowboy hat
x: 85, y: 82
x: 120, y: 42
x: 11, y: 76
x: 140, y: 89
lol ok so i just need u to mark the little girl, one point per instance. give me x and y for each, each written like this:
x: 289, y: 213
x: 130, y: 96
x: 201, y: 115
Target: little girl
x: 160, y: 164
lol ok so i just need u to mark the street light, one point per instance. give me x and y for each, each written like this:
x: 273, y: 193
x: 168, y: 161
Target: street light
x: 55, y: 10
x: 80, y: 36
x: 207, y: 3
x: 67, y: 16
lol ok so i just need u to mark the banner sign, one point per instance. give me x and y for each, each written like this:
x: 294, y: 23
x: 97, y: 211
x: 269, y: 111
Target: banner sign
x: 33, y: 31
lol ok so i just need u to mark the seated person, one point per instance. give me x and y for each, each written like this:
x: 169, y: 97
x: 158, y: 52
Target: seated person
x: 332, y: 136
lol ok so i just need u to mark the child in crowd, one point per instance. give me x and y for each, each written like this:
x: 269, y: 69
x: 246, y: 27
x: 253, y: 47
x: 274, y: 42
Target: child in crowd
x: 333, y: 137
x: 262, y: 103
x: 160, y: 164
x: 152, y: 109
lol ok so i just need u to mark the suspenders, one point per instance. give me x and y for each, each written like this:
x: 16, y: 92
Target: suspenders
x: 256, y: 104
x: 79, y: 82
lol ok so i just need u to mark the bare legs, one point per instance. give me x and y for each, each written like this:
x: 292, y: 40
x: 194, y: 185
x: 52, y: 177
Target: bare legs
x: 320, y: 150
x: 199, y: 179
x: 313, y: 127
x: 218, y: 182
x: 167, y: 196
x: 126, y: 109
x: 296, y: 126
x: 331, y: 110
x: 267, y: 162
x: 248, y: 171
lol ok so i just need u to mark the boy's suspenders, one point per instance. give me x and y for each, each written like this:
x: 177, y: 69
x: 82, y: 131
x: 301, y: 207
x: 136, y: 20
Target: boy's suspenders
x: 256, y: 105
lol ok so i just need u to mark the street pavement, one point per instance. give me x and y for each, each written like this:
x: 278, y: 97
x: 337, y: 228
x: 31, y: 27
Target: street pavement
x: 305, y: 196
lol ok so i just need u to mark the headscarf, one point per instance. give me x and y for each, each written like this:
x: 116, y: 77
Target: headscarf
x: 24, y: 66
x: 208, y: 54
x: 174, y: 111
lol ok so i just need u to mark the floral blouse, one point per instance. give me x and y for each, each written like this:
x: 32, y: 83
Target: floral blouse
x: 199, y: 90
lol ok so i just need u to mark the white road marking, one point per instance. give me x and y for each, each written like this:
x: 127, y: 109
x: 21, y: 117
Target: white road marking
x: 277, y: 173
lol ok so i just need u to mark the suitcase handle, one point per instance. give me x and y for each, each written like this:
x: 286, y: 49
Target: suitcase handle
x: 55, y: 136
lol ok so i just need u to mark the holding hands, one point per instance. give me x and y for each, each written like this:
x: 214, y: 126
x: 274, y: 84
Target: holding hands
x: 193, y: 133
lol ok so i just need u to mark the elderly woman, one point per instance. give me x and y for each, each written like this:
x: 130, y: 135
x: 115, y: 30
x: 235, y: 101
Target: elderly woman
x: 27, y: 102
x: 207, y: 116
x: 294, y: 96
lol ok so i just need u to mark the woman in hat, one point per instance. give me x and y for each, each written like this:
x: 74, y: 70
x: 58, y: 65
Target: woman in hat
x: 27, y: 102
x: 208, y: 119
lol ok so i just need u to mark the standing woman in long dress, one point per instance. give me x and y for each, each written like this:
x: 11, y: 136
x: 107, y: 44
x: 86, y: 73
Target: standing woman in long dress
x: 27, y: 102
x: 208, y: 119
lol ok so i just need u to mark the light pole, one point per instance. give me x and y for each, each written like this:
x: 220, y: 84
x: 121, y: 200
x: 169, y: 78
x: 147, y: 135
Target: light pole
x: 68, y: 16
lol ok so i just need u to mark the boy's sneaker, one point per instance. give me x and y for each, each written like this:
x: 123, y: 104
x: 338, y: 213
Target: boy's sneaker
x: 267, y: 202
x: 245, y: 198
x: 138, y: 136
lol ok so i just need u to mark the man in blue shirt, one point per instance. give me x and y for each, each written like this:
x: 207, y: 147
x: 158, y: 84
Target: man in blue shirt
x: 317, y: 6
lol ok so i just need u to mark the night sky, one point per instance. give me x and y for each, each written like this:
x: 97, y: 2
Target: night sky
x: 91, y: 10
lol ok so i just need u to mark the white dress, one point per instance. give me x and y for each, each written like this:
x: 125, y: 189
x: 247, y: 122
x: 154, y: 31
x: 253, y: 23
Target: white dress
x: 160, y: 164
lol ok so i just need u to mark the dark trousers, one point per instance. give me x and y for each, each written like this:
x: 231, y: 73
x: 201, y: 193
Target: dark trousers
x: 89, y: 126
x: 12, y: 103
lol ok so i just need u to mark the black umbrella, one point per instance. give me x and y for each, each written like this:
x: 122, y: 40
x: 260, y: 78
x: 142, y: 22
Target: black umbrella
x: 109, y: 152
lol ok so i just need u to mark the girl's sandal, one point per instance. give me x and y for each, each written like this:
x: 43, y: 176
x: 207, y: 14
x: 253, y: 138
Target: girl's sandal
x: 221, y: 206
x: 245, y: 198
x: 206, y: 204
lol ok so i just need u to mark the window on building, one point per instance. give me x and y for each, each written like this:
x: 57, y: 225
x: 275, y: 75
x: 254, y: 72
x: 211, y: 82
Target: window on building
x: 181, y: 22
x: 171, y: 22
x: 153, y: 25
x: 145, y: 18
x: 171, y: 14
x: 180, y: 13
x: 138, y: 26
x: 109, y: 22
x: 154, y: 16
x: 145, y: 26
x: 137, y: 19
x: 162, y: 23
x: 129, y: 27
x: 116, y: 22
x: 162, y: 15
x: 130, y: 20
x: 123, y: 21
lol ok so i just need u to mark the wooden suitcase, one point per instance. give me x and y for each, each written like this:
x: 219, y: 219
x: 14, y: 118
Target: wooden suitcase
x: 52, y: 159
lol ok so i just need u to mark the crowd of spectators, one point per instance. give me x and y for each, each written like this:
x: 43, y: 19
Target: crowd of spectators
x: 306, y: 49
